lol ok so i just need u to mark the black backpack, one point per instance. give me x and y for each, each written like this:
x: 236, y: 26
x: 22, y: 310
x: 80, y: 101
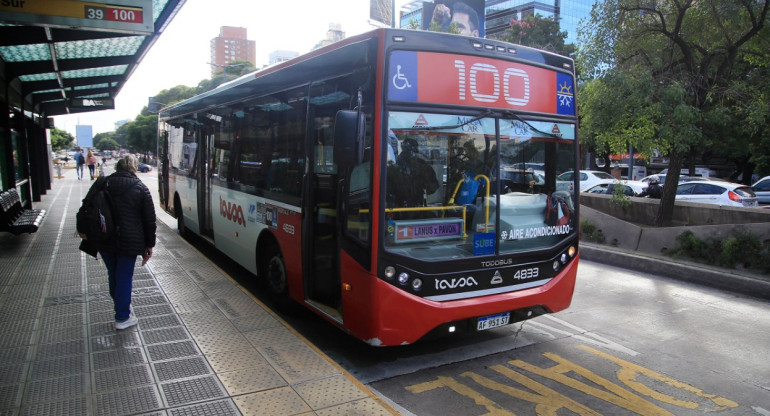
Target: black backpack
x: 95, y: 221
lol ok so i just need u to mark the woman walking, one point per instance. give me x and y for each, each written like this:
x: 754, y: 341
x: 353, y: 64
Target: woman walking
x: 91, y: 162
x: 134, y: 216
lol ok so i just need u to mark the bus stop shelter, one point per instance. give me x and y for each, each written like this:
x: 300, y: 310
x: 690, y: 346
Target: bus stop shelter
x: 64, y: 57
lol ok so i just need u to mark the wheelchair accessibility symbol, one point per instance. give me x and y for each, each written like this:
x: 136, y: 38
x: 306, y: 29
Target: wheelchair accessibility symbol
x: 399, y: 80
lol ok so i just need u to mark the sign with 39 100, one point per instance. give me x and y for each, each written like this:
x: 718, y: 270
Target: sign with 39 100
x: 114, y: 13
x: 130, y: 16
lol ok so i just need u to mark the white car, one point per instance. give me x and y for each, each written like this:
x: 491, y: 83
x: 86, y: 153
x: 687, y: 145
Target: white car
x: 762, y: 190
x: 606, y: 186
x: 718, y: 193
x: 588, y: 178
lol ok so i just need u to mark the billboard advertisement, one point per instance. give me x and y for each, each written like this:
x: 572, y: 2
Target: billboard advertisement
x: 381, y: 11
x: 466, y: 15
x: 85, y: 136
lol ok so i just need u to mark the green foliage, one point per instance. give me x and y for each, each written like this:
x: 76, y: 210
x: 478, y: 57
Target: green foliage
x: 171, y: 96
x: 693, y: 247
x: 234, y: 70
x: 589, y: 232
x: 107, y: 144
x: 676, y: 77
x: 436, y: 27
x: 141, y: 133
x: 619, y: 198
x: 413, y: 24
x: 539, y: 32
x: 743, y: 249
x: 60, y: 139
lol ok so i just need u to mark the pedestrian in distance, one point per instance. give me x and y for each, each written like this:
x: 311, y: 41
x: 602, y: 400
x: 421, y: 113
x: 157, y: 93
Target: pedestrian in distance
x: 80, y: 161
x: 91, y: 162
x: 134, y: 214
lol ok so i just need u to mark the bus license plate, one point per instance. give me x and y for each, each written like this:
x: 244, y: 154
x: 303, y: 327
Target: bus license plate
x: 493, y: 321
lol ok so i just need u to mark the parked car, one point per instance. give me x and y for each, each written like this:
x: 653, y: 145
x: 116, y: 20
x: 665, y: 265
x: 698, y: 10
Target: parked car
x: 143, y: 167
x: 718, y: 193
x: 606, y: 186
x: 762, y: 190
x: 588, y: 178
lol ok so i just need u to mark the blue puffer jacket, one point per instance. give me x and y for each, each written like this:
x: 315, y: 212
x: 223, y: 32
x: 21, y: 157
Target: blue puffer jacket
x: 135, y: 214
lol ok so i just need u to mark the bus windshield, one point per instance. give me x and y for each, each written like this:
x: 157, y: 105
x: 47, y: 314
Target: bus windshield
x: 460, y: 186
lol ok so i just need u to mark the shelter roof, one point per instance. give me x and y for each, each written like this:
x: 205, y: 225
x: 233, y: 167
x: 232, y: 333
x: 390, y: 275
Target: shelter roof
x: 66, y: 65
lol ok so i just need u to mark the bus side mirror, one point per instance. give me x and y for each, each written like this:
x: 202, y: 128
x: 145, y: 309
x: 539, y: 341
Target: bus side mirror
x: 348, y: 138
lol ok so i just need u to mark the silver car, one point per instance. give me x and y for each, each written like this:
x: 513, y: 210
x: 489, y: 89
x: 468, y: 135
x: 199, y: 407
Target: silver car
x: 718, y: 193
x: 762, y: 189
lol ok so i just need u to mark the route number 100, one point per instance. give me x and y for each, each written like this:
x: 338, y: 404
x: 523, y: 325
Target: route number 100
x: 468, y: 82
x: 112, y: 14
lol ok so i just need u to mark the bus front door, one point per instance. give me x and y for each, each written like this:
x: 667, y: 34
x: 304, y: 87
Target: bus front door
x: 322, y: 279
x: 204, y: 186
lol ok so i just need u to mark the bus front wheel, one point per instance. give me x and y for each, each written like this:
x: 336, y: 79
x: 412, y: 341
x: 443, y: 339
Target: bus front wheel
x: 276, y: 273
x: 180, y: 217
x: 273, y: 276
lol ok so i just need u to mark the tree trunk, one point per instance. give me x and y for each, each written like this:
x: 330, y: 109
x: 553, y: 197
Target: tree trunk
x: 666, y: 207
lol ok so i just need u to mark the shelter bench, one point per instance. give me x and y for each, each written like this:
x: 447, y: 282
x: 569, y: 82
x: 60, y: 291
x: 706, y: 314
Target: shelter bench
x: 15, y: 218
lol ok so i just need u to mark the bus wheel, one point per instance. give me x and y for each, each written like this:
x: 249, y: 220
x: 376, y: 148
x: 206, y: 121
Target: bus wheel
x: 180, y: 218
x: 274, y: 278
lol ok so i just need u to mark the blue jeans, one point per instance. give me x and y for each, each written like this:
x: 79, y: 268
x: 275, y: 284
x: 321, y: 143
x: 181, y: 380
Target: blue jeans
x: 120, y: 271
x: 79, y: 169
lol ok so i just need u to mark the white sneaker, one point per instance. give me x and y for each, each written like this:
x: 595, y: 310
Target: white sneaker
x: 131, y: 321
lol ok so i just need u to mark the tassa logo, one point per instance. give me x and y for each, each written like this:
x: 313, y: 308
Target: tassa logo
x: 455, y: 283
x: 231, y: 211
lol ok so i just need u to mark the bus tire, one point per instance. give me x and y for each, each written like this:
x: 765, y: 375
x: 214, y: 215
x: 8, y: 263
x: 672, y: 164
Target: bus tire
x: 273, y: 276
x: 180, y: 217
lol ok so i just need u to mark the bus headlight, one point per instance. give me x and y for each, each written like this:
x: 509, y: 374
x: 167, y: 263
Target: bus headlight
x: 556, y: 265
x: 572, y: 251
x: 416, y: 284
x: 564, y: 258
x: 390, y: 271
x: 403, y: 278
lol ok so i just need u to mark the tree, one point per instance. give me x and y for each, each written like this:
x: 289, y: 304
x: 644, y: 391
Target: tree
x: 231, y: 71
x: 539, y: 32
x: 141, y: 133
x: 672, y: 75
x: 60, y: 139
x: 171, y: 96
x: 107, y: 144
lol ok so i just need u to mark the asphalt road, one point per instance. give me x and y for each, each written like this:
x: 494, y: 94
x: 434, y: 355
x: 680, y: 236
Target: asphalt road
x: 631, y: 343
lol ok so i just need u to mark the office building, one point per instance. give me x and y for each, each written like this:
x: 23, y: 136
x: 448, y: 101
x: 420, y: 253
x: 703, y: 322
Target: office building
x: 231, y: 45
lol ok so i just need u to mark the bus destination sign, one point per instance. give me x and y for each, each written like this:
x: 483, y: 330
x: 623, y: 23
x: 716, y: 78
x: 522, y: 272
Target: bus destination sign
x: 420, y: 230
x: 446, y: 78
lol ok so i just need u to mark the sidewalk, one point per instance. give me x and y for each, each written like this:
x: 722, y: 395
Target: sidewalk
x: 731, y: 280
x: 203, y: 345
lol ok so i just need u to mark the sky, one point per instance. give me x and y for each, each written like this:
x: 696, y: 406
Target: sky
x: 181, y: 54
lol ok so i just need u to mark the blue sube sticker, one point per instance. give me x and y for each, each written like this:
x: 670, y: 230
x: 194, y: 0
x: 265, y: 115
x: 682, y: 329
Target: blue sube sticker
x: 483, y: 244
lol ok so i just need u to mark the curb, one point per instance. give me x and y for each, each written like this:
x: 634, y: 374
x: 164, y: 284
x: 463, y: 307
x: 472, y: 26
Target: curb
x: 724, y: 279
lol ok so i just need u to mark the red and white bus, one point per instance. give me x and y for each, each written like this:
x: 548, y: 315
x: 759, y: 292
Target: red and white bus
x: 398, y: 183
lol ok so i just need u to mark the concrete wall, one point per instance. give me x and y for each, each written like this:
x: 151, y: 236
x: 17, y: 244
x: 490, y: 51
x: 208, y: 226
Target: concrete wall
x: 642, y: 211
x: 653, y: 240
